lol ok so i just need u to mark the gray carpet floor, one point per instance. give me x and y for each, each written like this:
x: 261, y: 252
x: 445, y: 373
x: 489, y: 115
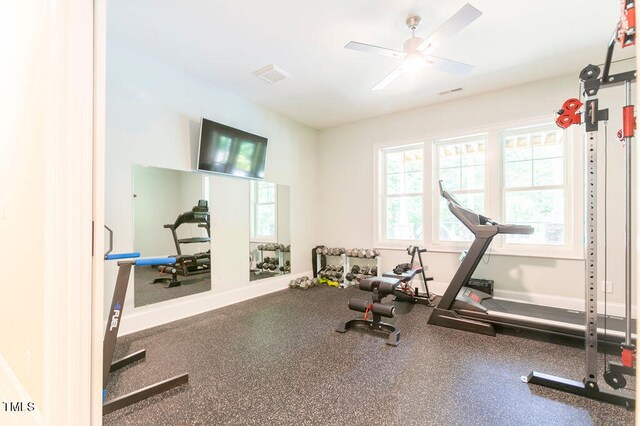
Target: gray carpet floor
x: 277, y: 360
x: 146, y: 293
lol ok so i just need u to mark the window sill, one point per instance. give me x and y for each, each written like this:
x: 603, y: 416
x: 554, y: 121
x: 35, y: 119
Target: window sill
x: 398, y: 245
x: 542, y: 252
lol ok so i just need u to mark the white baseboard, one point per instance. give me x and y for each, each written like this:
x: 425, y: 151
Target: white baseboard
x: 11, y: 390
x: 166, y: 312
x: 577, y: 304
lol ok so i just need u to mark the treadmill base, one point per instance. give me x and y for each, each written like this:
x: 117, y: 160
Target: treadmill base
x: 588, y: 390
x: 451, y: 319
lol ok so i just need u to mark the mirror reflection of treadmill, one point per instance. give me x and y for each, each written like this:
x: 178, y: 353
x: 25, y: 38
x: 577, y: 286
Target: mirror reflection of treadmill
x: 467, y: 309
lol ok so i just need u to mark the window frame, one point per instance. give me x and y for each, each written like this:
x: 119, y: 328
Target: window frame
x: 380, y: 217
x: 565, y: 186
x: 254, y: 216
x: 493, y: 190
x: 437, y: 199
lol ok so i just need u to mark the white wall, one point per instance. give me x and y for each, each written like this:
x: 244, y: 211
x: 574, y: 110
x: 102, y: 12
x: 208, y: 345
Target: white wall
x: 347, y: 187
x: 153, y: 118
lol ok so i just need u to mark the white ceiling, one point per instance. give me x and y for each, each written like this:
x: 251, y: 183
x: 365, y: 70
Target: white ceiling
x: 513, y: 42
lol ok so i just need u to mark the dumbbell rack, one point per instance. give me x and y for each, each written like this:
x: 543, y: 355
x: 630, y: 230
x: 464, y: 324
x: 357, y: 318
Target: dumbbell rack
x: 279, y: 254
x: 346, y: 265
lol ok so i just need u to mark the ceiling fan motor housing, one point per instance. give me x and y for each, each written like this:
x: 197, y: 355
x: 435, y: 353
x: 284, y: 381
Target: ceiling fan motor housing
x: 411, y: 45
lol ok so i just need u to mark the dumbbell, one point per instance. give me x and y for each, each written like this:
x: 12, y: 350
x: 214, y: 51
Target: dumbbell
x: 376, y: 252
x: 374, y: 270
x: 355, y: 269
x: 365, y: 270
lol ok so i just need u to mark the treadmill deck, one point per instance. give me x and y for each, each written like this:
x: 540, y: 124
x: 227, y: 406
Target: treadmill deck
x: 547, y: 319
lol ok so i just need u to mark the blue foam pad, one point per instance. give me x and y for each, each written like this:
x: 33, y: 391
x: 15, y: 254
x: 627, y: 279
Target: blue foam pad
x: 114, y: 256
x: 151, y: 261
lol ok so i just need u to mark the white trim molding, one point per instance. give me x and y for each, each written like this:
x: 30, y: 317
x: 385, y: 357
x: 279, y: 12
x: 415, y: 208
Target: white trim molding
x: 68, y: 210
x: 173, y: 310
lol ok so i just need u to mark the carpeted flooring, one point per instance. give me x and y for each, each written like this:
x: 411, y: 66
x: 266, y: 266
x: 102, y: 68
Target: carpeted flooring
x: 277, y: 360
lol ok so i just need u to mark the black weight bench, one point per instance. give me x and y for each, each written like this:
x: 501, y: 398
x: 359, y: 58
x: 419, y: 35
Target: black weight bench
x: 380, y: 287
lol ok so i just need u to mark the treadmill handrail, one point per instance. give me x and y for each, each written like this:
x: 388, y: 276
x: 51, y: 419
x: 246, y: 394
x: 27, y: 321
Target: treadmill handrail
x: 473, y: 220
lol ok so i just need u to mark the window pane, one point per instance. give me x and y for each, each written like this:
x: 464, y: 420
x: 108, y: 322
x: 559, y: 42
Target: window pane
x: 517, y: 174
x: 544, y: 210
x: 404, y: 218
x: 395, y: 183
x: 413, y: 182
x: 394, y: 162
x: 413, y: 161
x: 517, y: 148
x: 472, y: 153
x: 551, y: 145
x: 265, y: 220
x: 450, y: 178
x: 548, y: 172
x: 472, y: 177
x: 449, y: 156
x: 266, y: 192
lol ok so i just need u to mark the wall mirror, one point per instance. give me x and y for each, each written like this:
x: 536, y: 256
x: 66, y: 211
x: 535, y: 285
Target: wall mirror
x: 270, y: 243
x: 171, y: 218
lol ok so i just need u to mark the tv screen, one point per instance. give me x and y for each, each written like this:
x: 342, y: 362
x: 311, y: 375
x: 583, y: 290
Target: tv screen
x: 224, y: 149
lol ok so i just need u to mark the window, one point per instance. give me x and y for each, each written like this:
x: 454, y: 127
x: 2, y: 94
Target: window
x: 460, y: 164
x: 263, y: 211
x: 402, y: 182
x: 534, y: 188
x: 523, y: 173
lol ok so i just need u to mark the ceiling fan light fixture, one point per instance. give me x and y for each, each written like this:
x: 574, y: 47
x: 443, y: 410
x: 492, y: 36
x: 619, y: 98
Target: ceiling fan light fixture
x: 413, y: 62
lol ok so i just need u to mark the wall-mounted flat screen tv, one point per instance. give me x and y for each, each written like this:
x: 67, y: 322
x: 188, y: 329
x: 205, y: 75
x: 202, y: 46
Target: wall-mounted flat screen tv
x: 231, y: 151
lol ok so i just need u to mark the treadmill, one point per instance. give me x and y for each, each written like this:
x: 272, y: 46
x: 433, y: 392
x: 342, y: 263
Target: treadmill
x: 468, y: 309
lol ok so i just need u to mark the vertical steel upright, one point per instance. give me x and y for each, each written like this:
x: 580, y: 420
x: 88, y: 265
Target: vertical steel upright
x: 590, y: 117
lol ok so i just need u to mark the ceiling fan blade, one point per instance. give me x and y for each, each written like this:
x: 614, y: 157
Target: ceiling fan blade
x: 354, y: 45
x: 388, y: 79
x: 457, y: 22
x: 447, y: 65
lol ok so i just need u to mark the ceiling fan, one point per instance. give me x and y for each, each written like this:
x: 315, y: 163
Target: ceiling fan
x: 417, y: 51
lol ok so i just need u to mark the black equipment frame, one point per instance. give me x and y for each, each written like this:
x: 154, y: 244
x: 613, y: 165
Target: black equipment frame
x: 589, y: 387
x: 414, y: 296
x: 111, y: 336
x: 187, y: 265
x: 376, y: 323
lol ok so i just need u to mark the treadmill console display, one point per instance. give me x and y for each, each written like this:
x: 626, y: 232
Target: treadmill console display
x: 472, y: 295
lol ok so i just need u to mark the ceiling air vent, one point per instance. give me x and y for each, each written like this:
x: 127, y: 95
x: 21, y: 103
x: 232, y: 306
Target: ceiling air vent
x: 459, y: 89
x: 271, y: 74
